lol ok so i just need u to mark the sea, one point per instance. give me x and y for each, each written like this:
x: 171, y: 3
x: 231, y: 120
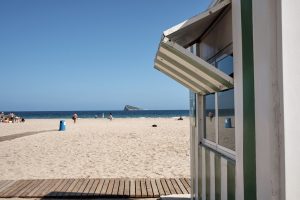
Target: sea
x: 99, y: 114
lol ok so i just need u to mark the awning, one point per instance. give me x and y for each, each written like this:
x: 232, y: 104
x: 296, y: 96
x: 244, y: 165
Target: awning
x: 185, y: 67
x: 190, y: 70
x: 189, y: 30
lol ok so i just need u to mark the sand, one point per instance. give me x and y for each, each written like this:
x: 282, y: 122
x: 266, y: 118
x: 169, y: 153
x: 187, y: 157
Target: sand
x: 96, y: 148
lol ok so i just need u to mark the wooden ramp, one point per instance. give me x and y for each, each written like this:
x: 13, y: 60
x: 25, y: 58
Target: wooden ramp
x: 94, y: 188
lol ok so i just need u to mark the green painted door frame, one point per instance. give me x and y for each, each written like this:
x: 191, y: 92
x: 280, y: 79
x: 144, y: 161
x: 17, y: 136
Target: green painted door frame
x: 249, y: 157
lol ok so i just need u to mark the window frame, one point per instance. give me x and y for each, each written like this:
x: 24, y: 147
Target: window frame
x: 205, y: 142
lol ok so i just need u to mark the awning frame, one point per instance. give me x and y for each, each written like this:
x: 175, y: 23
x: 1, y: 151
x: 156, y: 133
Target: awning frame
x: 177, y: 32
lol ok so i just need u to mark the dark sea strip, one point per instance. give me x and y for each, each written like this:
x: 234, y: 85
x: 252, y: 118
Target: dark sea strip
x: 99, y: 114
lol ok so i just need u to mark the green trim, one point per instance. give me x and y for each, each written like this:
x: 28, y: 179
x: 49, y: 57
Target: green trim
x: 198, y: 65
x: 207, y: 173
x: 249, y: 158
x: 188, y: 71
x: 230, y: 180
x: 218, y: 176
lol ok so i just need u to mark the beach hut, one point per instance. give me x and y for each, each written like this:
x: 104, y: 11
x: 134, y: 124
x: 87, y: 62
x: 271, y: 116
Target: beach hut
x: 239, y: 59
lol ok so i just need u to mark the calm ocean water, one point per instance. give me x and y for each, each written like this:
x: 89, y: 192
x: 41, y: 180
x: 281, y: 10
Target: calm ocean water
x: 92, y: 114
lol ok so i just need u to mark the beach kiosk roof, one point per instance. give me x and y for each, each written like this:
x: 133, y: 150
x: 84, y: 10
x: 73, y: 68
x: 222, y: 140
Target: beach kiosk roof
x: 175, y: 60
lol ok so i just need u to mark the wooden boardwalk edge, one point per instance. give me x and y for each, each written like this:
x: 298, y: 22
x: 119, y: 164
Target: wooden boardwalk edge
x: 94, y: 188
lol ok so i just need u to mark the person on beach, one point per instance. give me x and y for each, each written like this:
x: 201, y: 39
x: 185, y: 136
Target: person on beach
x: 210, y: 115
x: 110, y: 116
x: 75, y: 116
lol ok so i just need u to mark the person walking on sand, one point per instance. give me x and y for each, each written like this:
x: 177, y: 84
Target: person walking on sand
x: 75, y: 116
x: 110, y: 116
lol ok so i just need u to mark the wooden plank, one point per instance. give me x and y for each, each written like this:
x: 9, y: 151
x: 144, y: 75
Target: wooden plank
x: 3, y: 183
x: 43, y: 186
x: 7, y: 184
x: 70, y: 188
x: 160, y: 187
x: 82, y: 187
x: 116, y: 187
x: 110, y: 187
x: 94, y: 187
x: 88, y: 188
x: 49, y: 188
x: 59, y: 188
x: 143, y: 188
x: 4, y: 186
x: 74, y: 191
x: 149, y: 188
x: 165, y: 186
x: 11, y: 188
x: 127, y: 188
x: 121, y: 187
x: 186, y: 185
x: 138, y: 192
x: 154, y: 188
x: 132, y: 188
x: 170, y: 186
x: 52, y: 190
x: 181, y: 186
x: 63, y: 191
x: 99, y: 187
x: 104, y: 188
x: 35, y: 187
x: 14, y: 192
x: 188, y: 181
x: 30, y: 187
x: 176, y: 187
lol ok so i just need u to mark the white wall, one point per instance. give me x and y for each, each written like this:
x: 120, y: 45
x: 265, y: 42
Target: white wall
x: 290, y: 16
x: 268, y: 107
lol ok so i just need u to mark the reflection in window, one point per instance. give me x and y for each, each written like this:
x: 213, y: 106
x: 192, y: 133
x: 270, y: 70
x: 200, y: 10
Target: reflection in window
x: 210, y: 117
x: 226, y: 120
x: 226, y: 65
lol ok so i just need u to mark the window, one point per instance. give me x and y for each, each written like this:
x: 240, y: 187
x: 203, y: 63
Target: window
x: 219, y: 111
x: 210, y: 117
x: 226, y: 108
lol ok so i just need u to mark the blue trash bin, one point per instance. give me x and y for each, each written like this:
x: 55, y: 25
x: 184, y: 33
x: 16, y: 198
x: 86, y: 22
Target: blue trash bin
x: 227, y: 123
x: 62, y: 125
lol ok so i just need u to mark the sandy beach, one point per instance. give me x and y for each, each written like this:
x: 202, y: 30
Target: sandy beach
x: 96, y: 148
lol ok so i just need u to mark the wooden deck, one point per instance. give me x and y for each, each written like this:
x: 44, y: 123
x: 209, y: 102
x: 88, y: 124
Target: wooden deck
x: 94, y: 188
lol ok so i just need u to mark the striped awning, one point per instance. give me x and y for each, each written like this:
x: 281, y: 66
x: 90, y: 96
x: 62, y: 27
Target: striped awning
x: 190, y: 70
x: 183, y: 66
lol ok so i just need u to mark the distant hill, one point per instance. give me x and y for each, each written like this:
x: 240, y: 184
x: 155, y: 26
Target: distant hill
x: 131, y: 108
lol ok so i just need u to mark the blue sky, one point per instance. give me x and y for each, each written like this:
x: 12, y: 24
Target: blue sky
x: 87, y: 54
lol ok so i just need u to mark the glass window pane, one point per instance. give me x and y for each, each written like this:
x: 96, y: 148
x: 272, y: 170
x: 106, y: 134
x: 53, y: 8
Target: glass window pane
x: 226, y: 121
x: 210, y: 117
x: 226, y: 65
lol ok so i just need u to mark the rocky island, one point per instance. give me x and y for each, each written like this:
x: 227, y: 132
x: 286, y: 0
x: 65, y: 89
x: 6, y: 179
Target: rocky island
x: 131, y: 108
